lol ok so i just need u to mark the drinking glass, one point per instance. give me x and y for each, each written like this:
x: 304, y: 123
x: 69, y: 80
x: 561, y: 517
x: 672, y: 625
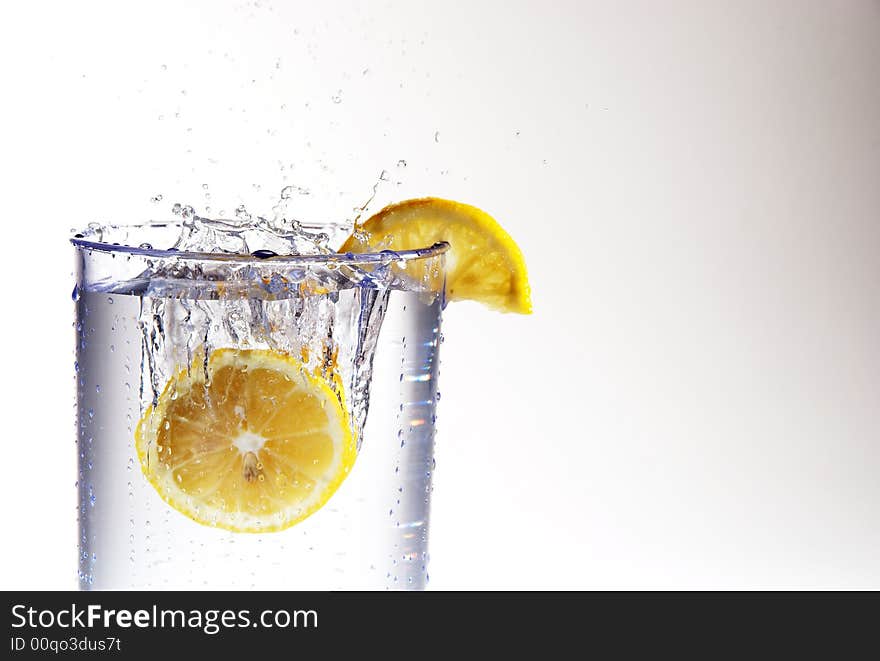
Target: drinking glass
x: 366, y: 325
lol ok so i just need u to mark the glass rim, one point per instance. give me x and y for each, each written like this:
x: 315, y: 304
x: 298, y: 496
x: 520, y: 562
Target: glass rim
x: 81, y: 241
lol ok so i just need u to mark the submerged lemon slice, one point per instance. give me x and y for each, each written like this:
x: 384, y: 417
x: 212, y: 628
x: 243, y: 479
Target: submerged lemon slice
x: 258, y: 447
x: 483, y: 263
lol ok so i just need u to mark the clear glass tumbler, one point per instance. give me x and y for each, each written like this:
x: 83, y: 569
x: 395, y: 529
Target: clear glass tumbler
x: 253, y: 421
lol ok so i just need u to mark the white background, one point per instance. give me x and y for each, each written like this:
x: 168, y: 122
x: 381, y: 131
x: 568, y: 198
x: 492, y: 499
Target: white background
x: 696, y: 189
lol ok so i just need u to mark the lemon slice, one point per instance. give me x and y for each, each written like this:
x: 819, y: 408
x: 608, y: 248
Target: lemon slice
x: 258, y: 447
x: 483, y: 263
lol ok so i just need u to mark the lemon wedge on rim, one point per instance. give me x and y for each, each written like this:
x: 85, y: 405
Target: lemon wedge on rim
x: 483, y: 263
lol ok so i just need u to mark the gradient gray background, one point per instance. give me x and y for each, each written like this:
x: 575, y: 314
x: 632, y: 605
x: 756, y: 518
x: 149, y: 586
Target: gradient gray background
x: 696, y: 188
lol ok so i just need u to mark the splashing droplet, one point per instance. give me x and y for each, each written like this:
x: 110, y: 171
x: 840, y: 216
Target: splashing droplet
x: 242, y: 213
x: 183, y: 210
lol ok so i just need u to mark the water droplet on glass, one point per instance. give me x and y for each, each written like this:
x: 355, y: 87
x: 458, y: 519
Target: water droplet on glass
x: 110, y: 300
x: 146, y: 246
x: 75, y: 293
x: 436, y: 136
